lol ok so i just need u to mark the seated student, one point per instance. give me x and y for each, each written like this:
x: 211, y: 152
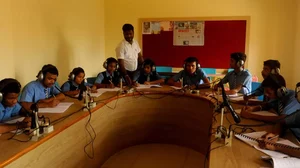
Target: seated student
x: 282, y: 102
x: 9, y: 107
x: 239, y: 79
x: 270, y: 67
x: 109, y: 78
x: 148, y: 75
x: 42, y: 91
x: 191, y: 75
x: 76, y: 77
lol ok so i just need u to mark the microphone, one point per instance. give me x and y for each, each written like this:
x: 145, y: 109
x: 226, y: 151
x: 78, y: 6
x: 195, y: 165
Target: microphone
x: 82, y: 88
x: 297, y: 92
x: 236, y: 118
x: 34, y: 109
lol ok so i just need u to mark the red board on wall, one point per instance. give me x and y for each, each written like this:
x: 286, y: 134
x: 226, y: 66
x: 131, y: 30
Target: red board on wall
x: 221, y: 38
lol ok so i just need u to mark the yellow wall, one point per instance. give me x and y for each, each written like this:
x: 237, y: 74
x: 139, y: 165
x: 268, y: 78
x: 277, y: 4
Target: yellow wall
x: 272, y: 29
x: 6, y: 41
x: 66, y: 33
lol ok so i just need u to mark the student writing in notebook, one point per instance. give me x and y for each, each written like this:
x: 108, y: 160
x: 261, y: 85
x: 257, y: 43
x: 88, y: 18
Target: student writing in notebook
x: 270, y: 139
x: 109, y: 78
x: 269, y: 67
x: 9, y: 106
x: 42, y: 91
x: 72, y: 86
x: 282, y: 102
x: 239, y: 79
x: 192, y: 75
x: 148, y: 74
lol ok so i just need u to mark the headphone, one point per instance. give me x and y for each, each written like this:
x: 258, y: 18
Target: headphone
x: 282, y: 90
x: 297, y: 92
x: 197, y: 63
x: 41, y: 74
x: 4, y: 83
x: 105, y: 63
x: 275, y: 71
x: 74, y: 71
x: 152, y: 65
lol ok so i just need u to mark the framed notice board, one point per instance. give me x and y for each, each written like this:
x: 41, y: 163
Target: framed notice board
x: 222, y: 36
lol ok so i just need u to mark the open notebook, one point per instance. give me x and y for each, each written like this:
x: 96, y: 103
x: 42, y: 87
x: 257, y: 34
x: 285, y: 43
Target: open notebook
x: 279, y: 160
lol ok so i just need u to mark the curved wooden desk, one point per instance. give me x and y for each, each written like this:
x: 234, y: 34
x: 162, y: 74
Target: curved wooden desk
x: 157, y: 116
x: 154, y: 117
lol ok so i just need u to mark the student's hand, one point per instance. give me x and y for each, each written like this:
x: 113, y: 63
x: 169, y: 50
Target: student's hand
x: 193, y: 87
x: 146, y: 83
x: 266, y: 141
x: 24, y: 124
x: 246, y: 111
x: 216, y: 87
x: 136, y: 84
x: 177, y: 84
x: 54, y: 103
x: 111, y: 85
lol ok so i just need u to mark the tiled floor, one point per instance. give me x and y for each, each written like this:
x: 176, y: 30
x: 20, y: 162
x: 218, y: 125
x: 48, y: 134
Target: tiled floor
x: 156, y: 156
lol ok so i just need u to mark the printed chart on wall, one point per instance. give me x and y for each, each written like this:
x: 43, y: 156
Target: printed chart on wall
x: 156, y: 27
x: 188, y: 33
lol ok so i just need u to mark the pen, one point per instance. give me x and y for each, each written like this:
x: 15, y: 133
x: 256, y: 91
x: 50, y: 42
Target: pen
x: 273, y: 137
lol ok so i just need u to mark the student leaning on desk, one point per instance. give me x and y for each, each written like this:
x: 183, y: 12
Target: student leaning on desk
x: 9, y: 107
x: 270, y: 67
x: 42, y: 91
x: 239, y: 79
x: 282, y: 102
x: 191, y: 75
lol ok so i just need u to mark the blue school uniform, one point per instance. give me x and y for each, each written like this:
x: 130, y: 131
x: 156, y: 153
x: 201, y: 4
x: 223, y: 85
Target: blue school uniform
x: 35, y: 91
x: 241, y: 78
x: 194, y: 79
x: 9, y: 112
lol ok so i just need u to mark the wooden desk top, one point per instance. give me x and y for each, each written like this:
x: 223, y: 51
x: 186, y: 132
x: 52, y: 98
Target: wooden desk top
x: 235, y: 156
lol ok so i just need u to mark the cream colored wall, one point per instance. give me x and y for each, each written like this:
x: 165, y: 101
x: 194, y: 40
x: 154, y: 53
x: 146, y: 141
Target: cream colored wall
x: 6, y: 41
x: 65, y: 33
x: 272, y: 29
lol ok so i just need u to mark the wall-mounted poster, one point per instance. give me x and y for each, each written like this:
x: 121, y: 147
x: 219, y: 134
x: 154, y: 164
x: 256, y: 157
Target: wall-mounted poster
x: 188, y: 33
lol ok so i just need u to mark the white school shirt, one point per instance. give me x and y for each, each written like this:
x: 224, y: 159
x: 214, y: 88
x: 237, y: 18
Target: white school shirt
x: 129, y: 53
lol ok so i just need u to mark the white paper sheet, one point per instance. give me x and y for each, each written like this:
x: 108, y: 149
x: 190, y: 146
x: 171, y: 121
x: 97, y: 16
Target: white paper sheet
x: 60, y: 108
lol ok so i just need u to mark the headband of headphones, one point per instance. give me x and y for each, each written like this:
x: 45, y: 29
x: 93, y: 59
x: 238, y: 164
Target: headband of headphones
x: 75, y: 72
x: 281, y: 90
x: 150, y: 63
x: 45, y: 69
x: 6, y: 82
x: 190, y: 60
x: 109, y: 61
x: 238, y: 57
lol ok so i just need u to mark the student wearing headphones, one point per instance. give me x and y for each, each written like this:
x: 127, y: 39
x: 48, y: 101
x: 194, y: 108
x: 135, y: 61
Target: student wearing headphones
x: 9, y: 107
x: 192, y: 75
x: 42, y: 91
x: 76, y: 77
x: 282, y: 102
x: 270, y: 67
x: 148, y: 74
x: 239, y: 79
x: 109, y: 78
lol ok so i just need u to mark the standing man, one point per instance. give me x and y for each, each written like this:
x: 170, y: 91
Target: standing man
x: 129, y: 54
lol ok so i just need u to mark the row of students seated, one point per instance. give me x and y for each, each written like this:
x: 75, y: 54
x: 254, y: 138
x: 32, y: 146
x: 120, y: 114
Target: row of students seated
x: 45, y: 93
